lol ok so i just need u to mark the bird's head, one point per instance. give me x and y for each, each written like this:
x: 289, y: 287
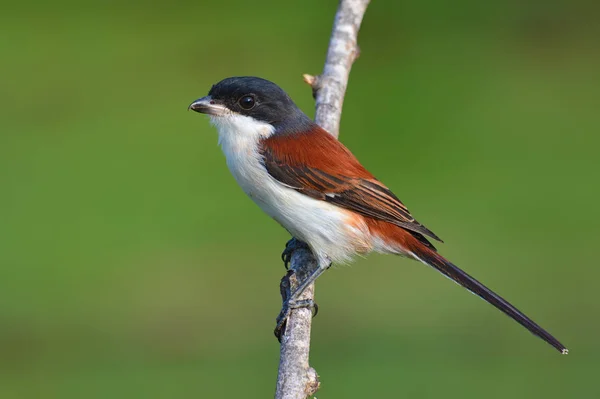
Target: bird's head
x: 251, y: 106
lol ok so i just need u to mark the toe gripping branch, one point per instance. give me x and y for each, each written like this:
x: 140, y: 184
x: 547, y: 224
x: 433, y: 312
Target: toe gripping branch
x: 291, y: 246
x: 300, y: 270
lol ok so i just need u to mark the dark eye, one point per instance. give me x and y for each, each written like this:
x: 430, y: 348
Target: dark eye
x: 247, y: 102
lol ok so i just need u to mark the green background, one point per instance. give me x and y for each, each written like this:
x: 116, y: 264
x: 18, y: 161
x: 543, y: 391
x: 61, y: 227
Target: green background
x: 132, y: 265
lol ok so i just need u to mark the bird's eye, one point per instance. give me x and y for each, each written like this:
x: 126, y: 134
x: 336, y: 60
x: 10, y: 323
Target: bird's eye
x: 247, y: 102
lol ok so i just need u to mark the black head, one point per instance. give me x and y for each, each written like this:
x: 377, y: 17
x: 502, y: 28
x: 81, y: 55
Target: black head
x: 253, y: 97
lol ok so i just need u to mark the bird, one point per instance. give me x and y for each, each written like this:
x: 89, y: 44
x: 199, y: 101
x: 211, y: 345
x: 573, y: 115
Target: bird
x: 314, y: 187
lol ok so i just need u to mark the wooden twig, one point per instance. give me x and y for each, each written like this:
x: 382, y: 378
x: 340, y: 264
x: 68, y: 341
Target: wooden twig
x: 296, y: 379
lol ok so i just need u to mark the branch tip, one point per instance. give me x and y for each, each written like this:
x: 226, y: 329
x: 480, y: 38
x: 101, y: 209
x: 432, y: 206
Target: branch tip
x: 309, y: 79
x: 314, y: 82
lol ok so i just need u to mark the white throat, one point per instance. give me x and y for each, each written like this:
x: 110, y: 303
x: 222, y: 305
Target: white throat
x: 237, y: 131
x: 239, y: 138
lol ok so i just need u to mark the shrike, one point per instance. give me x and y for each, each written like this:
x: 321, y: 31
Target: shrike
x: 311, y: 184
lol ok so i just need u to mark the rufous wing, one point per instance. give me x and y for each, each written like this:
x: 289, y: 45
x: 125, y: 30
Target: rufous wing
x: 318, y: 165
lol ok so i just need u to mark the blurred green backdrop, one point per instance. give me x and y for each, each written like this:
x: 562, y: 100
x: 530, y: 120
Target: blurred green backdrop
x: 132, y: 266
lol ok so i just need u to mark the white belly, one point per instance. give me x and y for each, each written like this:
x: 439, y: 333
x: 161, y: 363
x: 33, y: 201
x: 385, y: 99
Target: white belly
x: 327, y: 229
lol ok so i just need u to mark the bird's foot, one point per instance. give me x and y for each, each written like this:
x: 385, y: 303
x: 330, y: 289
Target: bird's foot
x: 286, y: 309
x: 290, y: 247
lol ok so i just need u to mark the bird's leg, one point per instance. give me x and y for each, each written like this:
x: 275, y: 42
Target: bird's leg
x: 292, y: 245
x: 291, y: 300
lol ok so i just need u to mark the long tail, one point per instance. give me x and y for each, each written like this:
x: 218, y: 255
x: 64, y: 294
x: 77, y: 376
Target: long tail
x: 432, y: 258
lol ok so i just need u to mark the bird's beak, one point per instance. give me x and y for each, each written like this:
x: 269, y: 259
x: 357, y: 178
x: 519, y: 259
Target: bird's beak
x: 206, y: 105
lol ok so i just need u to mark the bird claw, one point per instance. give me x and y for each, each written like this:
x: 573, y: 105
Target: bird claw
x: 286, y: 309
x: 292, y: 245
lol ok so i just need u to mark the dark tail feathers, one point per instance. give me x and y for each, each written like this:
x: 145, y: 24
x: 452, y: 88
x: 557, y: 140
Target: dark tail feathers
x: 448, y: 269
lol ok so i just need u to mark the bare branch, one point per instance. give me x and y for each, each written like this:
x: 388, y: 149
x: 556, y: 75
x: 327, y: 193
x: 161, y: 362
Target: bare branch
x: 296, y: 379
x: 330, y: 86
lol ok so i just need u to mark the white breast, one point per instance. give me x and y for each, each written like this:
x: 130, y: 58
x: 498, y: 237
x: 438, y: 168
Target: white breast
x: 329, y: 230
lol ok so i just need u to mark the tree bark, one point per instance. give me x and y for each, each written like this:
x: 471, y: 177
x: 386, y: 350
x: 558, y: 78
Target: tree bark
x: 296, y: 379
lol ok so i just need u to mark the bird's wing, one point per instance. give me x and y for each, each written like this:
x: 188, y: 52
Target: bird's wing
x: 316, y: 164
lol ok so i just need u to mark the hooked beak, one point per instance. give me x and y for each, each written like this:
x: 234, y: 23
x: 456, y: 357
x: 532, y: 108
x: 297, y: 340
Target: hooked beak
x: 206, y: 105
